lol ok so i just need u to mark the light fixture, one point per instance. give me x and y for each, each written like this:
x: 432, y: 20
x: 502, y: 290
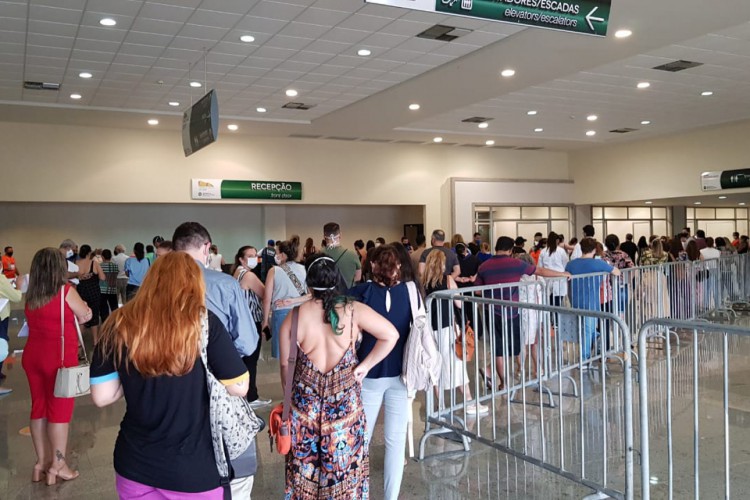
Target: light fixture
x: 483, y: 125
x: 592, y: 118
x: 153, y: 121
x: 643, y: 85
x: 247, y: 38
x: 196, y: 84
x: 696, y: 203
x: 489, y: 143
x: 539, y: 130
x: 75, y: 96
x: 649, y: 203
x: 507, y: 73
x: 531, y: 113
x: 291, y: 93
x: 364, y: 52
x: 624, y: 33
x: 414, y: 106
x: 232, y: 127
x: 591, y: 133
x: 437, y: 140
x: 707, y: 93
x: 261, y: 110
x: 174, y: 104
x: 107, y: 21
x: 722, y: 197
x: 85, y: 74
x: 646, y: 122
x: 742, y: 203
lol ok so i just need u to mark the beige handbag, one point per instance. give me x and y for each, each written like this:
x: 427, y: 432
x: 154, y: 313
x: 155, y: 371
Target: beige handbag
x: 74, y: 381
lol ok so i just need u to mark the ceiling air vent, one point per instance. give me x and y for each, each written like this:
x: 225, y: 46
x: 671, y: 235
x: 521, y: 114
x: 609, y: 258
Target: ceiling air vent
x: 504, y: 147
x: 340, y: 138
x: 624, y: 130
x: 676, y: 66
x: 471, y: 145
x: 443, y: 33
x: 305, y: 136
x: 298, y: 105
x: 376, y: 140
x: 477, y: 119
x: 41, y: 86
x: 528, y: 148
x: 407, y: 141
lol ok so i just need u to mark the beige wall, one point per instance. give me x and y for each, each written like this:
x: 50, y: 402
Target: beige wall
x: 51, y: 163
x: 664, y: 167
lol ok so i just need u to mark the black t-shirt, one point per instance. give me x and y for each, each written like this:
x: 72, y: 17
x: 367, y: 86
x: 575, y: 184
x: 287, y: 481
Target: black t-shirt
x: 469, y: 267
x: 165, y: 435
x: 629, y: 248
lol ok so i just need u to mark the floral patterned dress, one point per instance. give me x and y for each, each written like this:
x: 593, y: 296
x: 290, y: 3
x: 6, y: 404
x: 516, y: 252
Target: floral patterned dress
x: 329, y: 457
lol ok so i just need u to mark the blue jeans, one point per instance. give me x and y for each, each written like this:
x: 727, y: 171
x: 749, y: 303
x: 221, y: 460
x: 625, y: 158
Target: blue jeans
x: 391, y: 392
x: 589, y: 333
x: 277, y: 318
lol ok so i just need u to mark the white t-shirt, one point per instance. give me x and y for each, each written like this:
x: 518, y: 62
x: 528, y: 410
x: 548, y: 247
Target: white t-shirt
x: 214, y: 261
x: 557, y: 262
x: 120, y: 259
x: 710, y: 253
x: 577, y: 253
x: 72, y: 268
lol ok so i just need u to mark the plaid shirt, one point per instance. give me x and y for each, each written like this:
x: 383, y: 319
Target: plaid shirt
x: 109, y: 285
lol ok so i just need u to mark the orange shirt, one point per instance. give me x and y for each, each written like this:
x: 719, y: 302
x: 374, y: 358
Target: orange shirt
x: 9, y: 267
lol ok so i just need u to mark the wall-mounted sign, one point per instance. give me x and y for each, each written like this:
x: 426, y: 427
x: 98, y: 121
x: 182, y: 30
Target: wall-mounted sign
x: 220, y: 189
x: 589, y: 17
x: 725, y: 179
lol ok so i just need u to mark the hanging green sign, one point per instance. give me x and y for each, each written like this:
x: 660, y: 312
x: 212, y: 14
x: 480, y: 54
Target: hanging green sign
x: 220, y: 189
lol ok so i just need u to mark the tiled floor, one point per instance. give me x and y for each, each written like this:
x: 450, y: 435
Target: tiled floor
x: 482, y: 473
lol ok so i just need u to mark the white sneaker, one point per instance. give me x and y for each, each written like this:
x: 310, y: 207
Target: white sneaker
x: 475, y: 408
x: 259, y: 403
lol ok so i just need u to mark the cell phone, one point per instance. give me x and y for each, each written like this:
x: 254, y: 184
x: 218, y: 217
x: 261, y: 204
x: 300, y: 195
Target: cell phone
x: 267, y: 333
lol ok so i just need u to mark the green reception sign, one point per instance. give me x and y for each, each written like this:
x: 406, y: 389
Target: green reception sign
x: 220, y: 189
x: 589, y: 17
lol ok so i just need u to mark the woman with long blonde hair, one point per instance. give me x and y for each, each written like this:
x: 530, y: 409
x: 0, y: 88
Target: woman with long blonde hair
x: 453, y: 373
x: 149, y: 353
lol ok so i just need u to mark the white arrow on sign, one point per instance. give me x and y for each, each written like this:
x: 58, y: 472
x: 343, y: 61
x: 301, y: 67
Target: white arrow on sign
x: 590, y: 17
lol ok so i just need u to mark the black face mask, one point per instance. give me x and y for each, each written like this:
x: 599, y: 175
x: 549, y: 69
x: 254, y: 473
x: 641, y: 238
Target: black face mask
x: 10, y: 254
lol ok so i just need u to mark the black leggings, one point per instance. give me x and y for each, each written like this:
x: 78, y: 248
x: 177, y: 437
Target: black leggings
x: 107, y: 305
x: 251, y: 363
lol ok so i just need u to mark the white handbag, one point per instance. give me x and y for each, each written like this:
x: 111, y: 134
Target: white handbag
x: 73, y: 381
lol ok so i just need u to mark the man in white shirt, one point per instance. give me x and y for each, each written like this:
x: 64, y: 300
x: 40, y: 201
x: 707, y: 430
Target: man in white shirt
x: 588, y: 232
x: 122, y: 278
x: 66, y: 248
x: 709, y: 254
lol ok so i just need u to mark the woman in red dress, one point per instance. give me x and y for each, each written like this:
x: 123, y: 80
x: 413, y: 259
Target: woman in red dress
x: 43, y: 355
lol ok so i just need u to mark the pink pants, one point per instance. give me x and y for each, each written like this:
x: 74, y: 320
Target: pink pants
x: 128, y: 490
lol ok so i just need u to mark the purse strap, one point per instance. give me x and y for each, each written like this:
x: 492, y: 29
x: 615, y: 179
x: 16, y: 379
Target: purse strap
x: 290, y: 369
x: 294, y: 279
x: 62, y: 331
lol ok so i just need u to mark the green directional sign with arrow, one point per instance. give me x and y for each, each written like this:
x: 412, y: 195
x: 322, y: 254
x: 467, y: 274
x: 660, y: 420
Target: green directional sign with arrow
x: 589, y: 17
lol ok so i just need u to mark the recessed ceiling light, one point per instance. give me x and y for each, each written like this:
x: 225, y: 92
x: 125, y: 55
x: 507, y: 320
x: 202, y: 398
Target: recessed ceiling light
x: 646, y: 122
x: 483, y: 125
x: 531, y: 113
x: 539, y: 130
x: 247, y: 38
x: 507, y: 73
x: 292, y: 93
x: 623, y: 33
x: 489, y: 143
x: 153, y: 121
x: 196, y: 84
x: 414, y: 106
x: 364, y: 52
x: 592, y: 118
x: 261, y: 110
x: 85, y: 74
x: 696, y: 203
x: 232, y: 127
x: 707, y: 93
x: 649, y: 203
x: 722, y: 197
x: 591, y: 133
x: 107, y: 21
x: 174, y: 104
x: 742, y: 203
x: 643, y: 85
x: 437, y: 139
x: 75, y: 96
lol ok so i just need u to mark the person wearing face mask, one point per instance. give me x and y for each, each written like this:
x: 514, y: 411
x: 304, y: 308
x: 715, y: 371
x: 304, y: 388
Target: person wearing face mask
x: 9, y: 264
x: 285, y: 283
x: 68, y: 249
x: 245, y: 262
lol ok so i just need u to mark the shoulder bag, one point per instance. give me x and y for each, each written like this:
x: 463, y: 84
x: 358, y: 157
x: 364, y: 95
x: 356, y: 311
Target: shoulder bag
x: 279, y: 429
x: 233, y: 423
x: 71, y: 382
x: 422, y: 362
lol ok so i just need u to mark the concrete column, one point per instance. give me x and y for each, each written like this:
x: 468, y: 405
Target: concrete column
x: 679, y: 219
x: 583, y: 217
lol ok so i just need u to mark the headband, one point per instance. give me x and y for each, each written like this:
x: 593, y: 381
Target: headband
x: 318, y: 288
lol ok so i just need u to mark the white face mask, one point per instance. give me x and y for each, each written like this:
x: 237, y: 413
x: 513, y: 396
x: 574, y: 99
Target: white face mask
x: 68, y: 254
x: 277, y: 259
x: 251, y: 262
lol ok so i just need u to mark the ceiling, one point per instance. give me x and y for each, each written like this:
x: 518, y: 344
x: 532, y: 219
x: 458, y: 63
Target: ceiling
x: 159, y: 46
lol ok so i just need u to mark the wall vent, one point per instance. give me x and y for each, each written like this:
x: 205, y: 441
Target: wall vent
x: 625, y: 130
x: 298, y: 105
x: 476, y: 119
x: 41, y: 86
x: 443, y: 33
x: 676, y: 66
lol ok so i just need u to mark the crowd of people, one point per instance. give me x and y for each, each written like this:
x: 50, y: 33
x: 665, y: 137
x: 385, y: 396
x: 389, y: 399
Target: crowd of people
x: 349, y: 309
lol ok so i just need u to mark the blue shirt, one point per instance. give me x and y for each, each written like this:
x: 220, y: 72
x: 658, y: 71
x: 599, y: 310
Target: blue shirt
x: 136, y: 270
x: 374, y: 295
x: 584, y: 292
x: 227, y: 301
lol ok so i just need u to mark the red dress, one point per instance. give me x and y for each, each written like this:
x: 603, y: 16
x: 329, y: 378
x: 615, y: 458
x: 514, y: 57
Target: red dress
x: 42, y: 357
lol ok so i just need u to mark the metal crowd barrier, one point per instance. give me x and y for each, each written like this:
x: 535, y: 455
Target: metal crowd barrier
x: 567, y: 412
x: 684, y: 397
